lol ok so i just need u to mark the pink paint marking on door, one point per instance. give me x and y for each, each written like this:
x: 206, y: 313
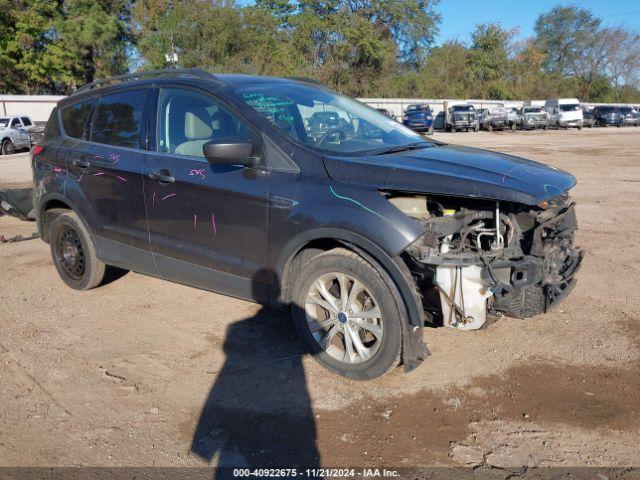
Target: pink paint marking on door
x: 197, y: 172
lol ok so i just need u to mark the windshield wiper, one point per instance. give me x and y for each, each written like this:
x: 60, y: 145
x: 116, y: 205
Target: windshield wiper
x: 404, y: 148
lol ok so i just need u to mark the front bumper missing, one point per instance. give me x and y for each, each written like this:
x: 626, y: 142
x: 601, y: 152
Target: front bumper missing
x: 542, y: 280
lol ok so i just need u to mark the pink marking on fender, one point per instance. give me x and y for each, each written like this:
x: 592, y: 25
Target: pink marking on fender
x: 169, y: 196
x: 80, y: 177
x: 154, y: 198
x: 57, y: 169
x: 213, y: 225
x: 195, y: 221
x: 120, y: 178
x: 114, y: 157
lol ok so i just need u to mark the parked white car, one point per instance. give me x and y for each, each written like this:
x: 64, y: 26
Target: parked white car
x: 14, y: 133
x: 564, y: 113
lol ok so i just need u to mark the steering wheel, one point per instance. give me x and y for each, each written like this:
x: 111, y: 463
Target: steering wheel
x: 328, y: 134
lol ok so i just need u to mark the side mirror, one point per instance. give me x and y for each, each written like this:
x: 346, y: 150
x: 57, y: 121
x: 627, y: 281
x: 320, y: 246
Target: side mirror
x: 230, y: 151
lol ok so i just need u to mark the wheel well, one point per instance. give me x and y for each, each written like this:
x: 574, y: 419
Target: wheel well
x: 47, y: 215
x: 299, y: 257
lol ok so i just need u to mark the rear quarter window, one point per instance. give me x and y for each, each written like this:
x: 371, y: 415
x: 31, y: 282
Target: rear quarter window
x: 116, y: 119
x: 53, y: 128
x: 74, y: 118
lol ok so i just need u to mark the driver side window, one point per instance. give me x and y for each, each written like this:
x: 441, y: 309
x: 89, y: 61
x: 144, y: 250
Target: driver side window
x: 187, y: 120
x: 15, y: 123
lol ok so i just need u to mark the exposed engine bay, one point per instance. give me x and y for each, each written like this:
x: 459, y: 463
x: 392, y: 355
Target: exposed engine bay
x: 480, y: 257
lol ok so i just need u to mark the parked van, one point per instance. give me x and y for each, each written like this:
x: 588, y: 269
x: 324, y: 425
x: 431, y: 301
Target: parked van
x: 564, y: 112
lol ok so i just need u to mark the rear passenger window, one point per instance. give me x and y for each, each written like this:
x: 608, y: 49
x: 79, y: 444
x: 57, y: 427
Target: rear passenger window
x: 116, y: 120
x: 26, y: 122
x: 74, y: 118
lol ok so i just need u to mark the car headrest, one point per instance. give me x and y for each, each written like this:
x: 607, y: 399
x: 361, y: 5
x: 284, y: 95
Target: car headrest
x: 197, y: 124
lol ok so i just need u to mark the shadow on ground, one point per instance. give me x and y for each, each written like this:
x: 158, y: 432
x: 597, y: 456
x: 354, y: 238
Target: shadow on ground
x: 258, y: 413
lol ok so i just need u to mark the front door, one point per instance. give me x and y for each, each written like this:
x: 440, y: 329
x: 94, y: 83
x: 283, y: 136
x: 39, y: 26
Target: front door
x: 207, y: 223
x: 20, y: 134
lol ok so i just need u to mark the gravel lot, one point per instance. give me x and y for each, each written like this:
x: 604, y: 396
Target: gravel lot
x: 129, y: 373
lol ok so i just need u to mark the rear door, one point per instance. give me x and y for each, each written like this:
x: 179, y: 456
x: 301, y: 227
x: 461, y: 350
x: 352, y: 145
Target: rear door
x: 207, y: 223
x: 105, y: 174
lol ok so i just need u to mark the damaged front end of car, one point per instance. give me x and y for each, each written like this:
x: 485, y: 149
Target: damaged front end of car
x: 482, y: 257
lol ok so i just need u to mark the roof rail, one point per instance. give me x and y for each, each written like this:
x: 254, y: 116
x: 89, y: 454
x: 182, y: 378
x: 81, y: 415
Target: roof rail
x: 307, y: 80
x: 165, y: 72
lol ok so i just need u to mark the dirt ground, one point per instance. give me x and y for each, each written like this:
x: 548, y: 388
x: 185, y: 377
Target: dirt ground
x: 142, y: 372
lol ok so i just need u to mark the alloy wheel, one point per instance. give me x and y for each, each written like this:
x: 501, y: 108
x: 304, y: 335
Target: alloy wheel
x: 344, y: 318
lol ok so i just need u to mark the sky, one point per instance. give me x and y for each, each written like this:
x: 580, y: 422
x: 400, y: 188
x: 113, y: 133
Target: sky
x: 459, y: 17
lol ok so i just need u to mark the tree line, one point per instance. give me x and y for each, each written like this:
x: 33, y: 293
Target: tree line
x: 364, y: 48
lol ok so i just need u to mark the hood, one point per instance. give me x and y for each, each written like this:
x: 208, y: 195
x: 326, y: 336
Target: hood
x: 454, y: 170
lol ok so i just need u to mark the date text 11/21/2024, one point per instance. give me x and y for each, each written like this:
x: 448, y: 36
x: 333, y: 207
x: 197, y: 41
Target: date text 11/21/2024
x: 316, y: 472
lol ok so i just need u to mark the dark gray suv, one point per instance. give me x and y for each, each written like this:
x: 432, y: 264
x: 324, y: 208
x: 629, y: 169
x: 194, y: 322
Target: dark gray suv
x: 365, y: 229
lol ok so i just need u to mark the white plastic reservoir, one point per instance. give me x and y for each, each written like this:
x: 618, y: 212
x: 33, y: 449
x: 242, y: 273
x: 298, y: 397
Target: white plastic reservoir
x: 463, y: 287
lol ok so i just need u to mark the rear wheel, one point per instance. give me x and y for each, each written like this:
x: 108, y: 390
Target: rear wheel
x: 345, y: 312
x: 8, y: 148
x: 74, y: 253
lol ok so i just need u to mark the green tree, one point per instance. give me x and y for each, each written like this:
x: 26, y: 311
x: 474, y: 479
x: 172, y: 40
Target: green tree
x: 96, y: 34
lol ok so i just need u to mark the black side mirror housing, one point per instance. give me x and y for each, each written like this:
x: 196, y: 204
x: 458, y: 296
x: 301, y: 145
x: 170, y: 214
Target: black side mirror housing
x: 230, y: 151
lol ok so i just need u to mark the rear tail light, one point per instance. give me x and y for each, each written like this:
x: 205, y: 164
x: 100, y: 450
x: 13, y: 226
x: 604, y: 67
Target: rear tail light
x: 36, y: 150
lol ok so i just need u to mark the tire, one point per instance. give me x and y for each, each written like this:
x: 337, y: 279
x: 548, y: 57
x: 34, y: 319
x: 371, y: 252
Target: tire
x: 579, y: 127
x: 74, y: 253
x: 476, y: 128
x: 430, y: 131
x: 8, y: 148
x: 382, y: 349
x: 513, y: 127
x: 489, y: 128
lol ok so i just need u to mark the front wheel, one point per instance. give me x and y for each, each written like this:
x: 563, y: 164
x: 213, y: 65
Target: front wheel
x: 8, y: 148
x: 346, y: 314
x: 74, y: 253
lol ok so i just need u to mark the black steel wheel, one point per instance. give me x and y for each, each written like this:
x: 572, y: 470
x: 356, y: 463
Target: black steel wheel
x: 74, y: 253
x: 70, y: 252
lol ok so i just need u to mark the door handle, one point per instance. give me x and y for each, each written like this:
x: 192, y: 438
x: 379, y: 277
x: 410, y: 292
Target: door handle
x: 163, y: 177
x: 82, y: 164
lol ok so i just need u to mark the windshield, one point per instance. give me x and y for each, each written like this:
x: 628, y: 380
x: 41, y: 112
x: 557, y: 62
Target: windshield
x: 4, y: 122
x: 569, y: 108
x: 324, y: 120
x: 607, y: 109
x: 533, y: 110
x: 463, y: 108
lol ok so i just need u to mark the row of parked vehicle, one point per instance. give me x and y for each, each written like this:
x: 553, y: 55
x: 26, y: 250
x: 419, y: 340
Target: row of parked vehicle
x: 556, y: 113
